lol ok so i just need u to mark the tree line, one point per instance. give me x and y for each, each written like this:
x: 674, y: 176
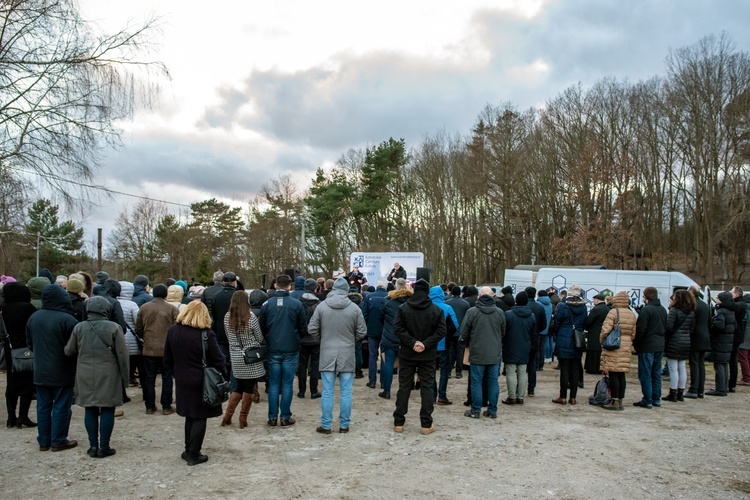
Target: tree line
x: 644, y: 175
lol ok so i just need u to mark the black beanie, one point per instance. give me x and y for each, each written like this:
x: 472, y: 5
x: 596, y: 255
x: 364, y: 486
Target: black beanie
x: 506, y: 290
x: 530, y: 291
x: 160, y: 291
x: 456, y: 290
x: 522, y: 299
x: 422, y: 285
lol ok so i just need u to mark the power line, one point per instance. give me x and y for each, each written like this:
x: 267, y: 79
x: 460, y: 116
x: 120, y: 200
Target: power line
x: 101, y: 188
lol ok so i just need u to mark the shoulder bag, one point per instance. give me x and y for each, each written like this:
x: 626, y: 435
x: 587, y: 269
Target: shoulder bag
x: 579, y: 336
x: 21, y: 358
x: 612, y: 340
x: 215, y: 387
x: 253, y: 355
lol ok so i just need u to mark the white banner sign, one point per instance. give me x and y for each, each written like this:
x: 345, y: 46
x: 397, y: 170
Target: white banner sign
x: 377, y: 265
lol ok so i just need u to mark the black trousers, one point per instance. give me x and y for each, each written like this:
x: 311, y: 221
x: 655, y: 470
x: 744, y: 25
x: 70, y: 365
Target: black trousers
x: 697, y: 363
x: 569, y: 374
x: 617, y: 384
x: 195, y: 431
x: 406, y: 370
x: 308, y: 355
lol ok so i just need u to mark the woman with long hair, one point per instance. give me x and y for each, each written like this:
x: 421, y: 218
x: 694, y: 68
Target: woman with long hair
x: 243, y: 330
x: 183, y: 354
x: 680, y: 326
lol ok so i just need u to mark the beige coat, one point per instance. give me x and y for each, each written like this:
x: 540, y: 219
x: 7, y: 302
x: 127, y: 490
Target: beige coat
x: 154, y: 319
x: 619, y: 360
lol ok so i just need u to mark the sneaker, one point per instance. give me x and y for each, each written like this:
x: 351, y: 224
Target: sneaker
x: 427, y: 430
x: 119, y: 413
x: 490, y: 415
x: 150, y: 411
x: 272, y: 422
x: 471, y: 414
x: 530, y: 394
x: 288, y: 422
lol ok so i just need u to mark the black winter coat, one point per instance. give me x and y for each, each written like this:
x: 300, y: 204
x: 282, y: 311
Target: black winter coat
x: 110, y: 290
x: 183, y: 353
x: 79, y: 306
x: 700, y: 340
x: 372, y: 306
x: 680, y: 326
x: 541, y: 319
x: 722, y: 329
x: 418, y: 319
x: 650, y: 328
x: 309, y: 302
x: 219, y: 308
x: 740, y: 314
x: 520, y: 329
x: 17, y: 310
x: 47, y: 333
x: 460, y: 306
x: 594, y: 323
x: 471, y: 295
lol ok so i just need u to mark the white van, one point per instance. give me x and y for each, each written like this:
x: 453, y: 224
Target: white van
x: 594, y: 281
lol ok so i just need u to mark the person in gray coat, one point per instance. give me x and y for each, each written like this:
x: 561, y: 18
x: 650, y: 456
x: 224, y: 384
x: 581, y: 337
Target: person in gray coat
x: 102, y: 371
x: 337, y: 323
x: 482, y: 332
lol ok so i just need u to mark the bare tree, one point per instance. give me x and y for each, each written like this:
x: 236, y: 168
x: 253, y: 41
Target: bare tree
x: 63, y: 87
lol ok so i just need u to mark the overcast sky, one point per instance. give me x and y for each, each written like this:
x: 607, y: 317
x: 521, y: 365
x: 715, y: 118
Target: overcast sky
x: 261, y: 89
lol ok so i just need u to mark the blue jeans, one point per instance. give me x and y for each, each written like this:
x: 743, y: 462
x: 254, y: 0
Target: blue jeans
x: 386, y: 369
x: 281, y: 371
x: 99, y: 422
x: 53, y: 414
x: 345, y: 399
x: 549, y: 346
x: 493, y: 393
x: 151, y: 366
x: 441, y: 389
x: 649, y: 374
x: 373, y: 344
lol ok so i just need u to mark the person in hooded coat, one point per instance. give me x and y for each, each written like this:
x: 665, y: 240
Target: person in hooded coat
x: 299, y: 287
x: 722, y: 337
x: 35, y: 287
x: 47, y: 333
x: 570, y: 314
x: 389, y: 343
x: 101, y: 372
x: 419, y: 325
x: 700, y: 343
x: 617, y: 362
x: 520, y: 333
x: 482, y: 332
x: 451, y: 327
x: 75, y: 289
x: 16, y: 312
x: 110, y: 290
x: 141, y: 293
x: 372, y: 306
x: 471, y: 295
x: 680, y: 326
x: 456, y: 351
x: 337, y: 323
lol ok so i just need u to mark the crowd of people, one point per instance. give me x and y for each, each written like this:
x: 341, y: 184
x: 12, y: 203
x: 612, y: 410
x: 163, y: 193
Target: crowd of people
x: 92, y: 337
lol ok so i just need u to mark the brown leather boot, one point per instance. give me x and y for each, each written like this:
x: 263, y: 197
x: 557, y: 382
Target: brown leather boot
x: 234, y: 399
x: 247, y: 402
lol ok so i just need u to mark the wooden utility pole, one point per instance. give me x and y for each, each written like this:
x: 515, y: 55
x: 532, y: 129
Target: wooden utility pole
x: 99, y: 248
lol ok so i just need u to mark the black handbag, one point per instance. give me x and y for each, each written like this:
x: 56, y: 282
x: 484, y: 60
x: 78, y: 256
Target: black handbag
x: 253, y: 355
x: 612, y: 340
x: 215, y: 387
x: 21, y: 358
x: 579, y: 336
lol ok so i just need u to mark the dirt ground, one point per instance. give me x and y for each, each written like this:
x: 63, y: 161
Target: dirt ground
x: 695, y: 449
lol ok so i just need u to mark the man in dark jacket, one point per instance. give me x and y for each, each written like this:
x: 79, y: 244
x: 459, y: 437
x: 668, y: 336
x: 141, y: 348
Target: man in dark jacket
x: 219, y: 308
x: 47, y: 333
x: 299, y: 287
x: 309, y: 349
x: 389, y: 342
x: 211, y: 291
x: 506, y: 300
x: 471, y: 294
x: 722, y: 333
x: 594, y: 322
x: 520, y: 334
x: 356, y: 278
x: 482, y: 332
x: 540, y: 317
x: 283, y: 322
x: 461, y: 306
x: 141, y: 293
x: 372, y: 306
x: 700, y: 343
x: 419, y: 325
x: 396, y: 273
x: 110, y: 290
x: 649, y: 344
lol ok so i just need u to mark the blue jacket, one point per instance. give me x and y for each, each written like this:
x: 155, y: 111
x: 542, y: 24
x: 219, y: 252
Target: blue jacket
x: 520, y: 329
x: 47, y: 333
x: 372, y: 306
x: 140, y: 295
x: 395, y: 298
x: 437, y: 295
x: 546, y: 303
x: 299, y: 287
x: 283, y: 323
x: 567, y: 314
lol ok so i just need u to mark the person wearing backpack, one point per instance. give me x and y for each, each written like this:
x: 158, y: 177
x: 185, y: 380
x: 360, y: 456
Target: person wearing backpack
x: 617, y: 362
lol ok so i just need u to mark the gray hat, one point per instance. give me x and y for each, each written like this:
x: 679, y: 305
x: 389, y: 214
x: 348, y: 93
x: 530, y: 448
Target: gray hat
x: 101, y: 277
x: 229, y: 277
x: 141, y: 280
x: 311, y: 285
x: 341, y: 284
